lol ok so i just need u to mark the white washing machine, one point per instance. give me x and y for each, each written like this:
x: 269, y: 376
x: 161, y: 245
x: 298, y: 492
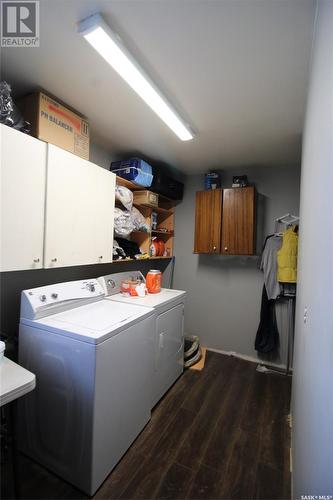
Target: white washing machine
x: 93, y: 360
x: 169, y: 328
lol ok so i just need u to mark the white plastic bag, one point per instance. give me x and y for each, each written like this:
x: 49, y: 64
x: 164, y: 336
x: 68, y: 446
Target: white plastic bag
x: 123, y: 223
x: 125, y: 196
x: 139, y: 221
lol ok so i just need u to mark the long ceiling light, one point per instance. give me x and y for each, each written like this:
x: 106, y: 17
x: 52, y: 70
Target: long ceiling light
x: 95, y: 30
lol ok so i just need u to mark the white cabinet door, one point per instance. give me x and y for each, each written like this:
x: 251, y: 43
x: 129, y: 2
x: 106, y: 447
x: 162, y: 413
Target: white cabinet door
x: 105, y: 183
x: 79, y: 211
x: 23, y: 169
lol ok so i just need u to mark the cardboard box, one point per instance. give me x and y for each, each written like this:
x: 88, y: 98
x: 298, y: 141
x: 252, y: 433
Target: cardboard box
x: 145, y: 198
x: 55, y: 123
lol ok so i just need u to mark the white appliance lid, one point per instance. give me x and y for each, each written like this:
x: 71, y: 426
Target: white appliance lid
x: 93, y: 322
x: 154, y: 300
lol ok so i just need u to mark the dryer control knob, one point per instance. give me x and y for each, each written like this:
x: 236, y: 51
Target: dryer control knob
x: 54, y: 295
x: 42, y: 298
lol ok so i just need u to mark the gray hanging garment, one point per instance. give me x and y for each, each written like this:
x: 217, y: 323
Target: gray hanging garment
x: 267, y: 338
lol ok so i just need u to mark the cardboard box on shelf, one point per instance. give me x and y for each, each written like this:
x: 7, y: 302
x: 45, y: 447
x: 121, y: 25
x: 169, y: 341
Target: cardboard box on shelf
x: 145, y: 198
x: 55, y: 123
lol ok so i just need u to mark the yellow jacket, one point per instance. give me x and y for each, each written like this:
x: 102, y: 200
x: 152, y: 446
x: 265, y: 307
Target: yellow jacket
x: 287, y: 257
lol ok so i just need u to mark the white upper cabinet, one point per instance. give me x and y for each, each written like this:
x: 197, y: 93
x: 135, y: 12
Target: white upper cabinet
x: 78, y: 196
x: 22, y: 189
x: 79, y: 211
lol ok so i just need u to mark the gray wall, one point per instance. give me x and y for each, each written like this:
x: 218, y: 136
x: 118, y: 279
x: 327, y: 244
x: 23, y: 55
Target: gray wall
x: 224, y: 292
x: 100, y: 156
x: 312, y: 400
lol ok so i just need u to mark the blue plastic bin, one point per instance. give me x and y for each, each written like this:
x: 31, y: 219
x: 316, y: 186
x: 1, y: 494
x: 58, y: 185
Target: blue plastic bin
x: 135, y: 170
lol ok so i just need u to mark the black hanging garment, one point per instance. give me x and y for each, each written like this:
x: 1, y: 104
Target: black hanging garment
x: 267, y: 338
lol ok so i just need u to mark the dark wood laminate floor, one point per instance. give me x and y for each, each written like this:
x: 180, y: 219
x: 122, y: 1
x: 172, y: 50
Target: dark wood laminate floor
x: 218, y: 434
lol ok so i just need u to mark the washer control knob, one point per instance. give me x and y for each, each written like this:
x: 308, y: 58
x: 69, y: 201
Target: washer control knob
x: 111, y: 283
x: 42, y: 298
x: 54, y: 295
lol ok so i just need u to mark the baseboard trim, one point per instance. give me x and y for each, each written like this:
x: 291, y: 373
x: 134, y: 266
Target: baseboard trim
x: 252, y: 359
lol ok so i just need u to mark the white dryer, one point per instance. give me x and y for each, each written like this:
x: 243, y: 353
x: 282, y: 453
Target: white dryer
x: 169, y: 327
x: 93, y: 360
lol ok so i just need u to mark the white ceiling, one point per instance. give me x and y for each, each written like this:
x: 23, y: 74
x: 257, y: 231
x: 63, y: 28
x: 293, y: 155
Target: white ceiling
x: 236, y: 70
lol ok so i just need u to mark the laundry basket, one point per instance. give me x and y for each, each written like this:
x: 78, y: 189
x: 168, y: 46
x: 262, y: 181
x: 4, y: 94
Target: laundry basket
x: 192, y: 351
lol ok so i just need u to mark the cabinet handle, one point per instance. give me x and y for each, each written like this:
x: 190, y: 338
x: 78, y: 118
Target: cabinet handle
x: 214, y: 248
x: 54, y: 260
x: 225, y: 249
x: 36, y: 260
x: 100, y: 257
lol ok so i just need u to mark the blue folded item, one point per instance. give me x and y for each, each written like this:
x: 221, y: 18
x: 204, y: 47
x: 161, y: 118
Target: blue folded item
x: 212, y: 180
x: 135, y: 170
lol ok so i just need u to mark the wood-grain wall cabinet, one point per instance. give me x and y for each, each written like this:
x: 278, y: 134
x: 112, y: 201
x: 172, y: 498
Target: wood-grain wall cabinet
x: 225, y: 221
x: 208, y: 216
x: 238, y: 221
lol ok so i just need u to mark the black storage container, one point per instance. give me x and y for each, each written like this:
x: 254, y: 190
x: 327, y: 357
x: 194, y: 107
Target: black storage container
x: 167, y: 186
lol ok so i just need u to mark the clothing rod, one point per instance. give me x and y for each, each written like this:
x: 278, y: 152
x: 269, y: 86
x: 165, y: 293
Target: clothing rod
x: 282, y: 217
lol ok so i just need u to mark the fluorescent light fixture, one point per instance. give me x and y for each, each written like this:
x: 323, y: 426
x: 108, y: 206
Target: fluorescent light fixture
x: 95, y: 30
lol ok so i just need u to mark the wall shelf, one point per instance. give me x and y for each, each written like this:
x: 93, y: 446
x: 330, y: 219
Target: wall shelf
x: 130, y: 185
x: 165, y: 220
x: 134, y: 187
x: 142, y: 260
x: 165, y: 233
x: 159, y: 210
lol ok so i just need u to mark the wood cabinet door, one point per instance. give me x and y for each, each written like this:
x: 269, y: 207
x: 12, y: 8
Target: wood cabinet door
x: 23, y: 171
x: 79, y: 211
x: 238, y: 221
x: 208, y: 214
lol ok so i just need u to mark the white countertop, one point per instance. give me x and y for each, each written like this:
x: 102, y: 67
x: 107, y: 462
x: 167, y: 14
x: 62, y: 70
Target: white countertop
x: 15, y: 381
